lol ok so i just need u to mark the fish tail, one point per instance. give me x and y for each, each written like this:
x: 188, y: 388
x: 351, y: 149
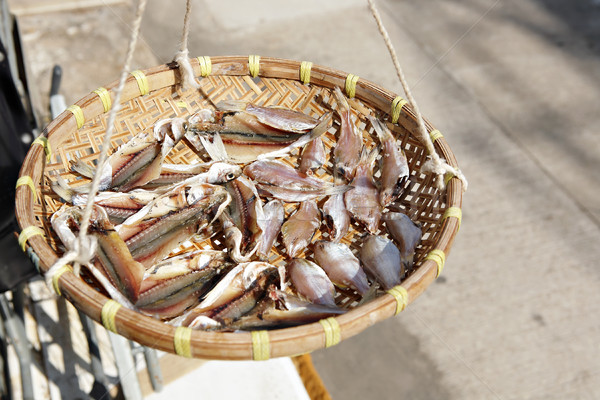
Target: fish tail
x: 381, y: 130
x: 232, y: 105
x: 215, y: 149
x: 342, y: 103
x: 82, y: 168
x: 61, y: 187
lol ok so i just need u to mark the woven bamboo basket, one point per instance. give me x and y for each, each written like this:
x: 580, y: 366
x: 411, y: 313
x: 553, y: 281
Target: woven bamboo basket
x: 154, y: 94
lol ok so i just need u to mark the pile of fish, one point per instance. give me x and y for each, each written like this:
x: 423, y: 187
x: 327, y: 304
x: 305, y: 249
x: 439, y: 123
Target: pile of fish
x: 147, y: 210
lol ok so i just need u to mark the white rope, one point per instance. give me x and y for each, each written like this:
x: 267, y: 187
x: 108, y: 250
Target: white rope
x: 84, y: 247
x: 435, y: 164
x: 188, y: 78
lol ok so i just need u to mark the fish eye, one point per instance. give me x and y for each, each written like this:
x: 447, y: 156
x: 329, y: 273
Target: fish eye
x: 185, y: 126
x: 230, y: 176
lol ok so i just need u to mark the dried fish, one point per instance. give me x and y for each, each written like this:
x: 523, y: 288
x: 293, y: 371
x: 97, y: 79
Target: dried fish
x: 171, y: 219
x: 405, y: 232
x: 313, y: 156
x: 362, y: 201
x: 299, y: 229
x: 350, y: 143
x: 394, y: 166
x: 342, y: 267
x: 311, y: 281
x: 381, y: 259
x: 177, y: 283
x: 336, y: 217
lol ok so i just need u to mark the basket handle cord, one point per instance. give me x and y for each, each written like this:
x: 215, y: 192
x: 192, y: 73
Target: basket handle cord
x: 84, y: 247
x: 188, y: 78
x: 435, y: 163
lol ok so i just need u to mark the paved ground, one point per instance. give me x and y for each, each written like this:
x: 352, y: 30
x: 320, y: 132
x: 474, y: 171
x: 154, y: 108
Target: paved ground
x: 514, y: 87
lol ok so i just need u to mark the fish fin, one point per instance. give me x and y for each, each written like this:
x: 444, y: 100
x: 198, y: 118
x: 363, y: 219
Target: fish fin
x: 82, y: 168
x: 61, y: 187
x: 380, y: 129
x: 316, y: 132
x: 232, y: 105
x: 340, y: 99
x: 215, y: 149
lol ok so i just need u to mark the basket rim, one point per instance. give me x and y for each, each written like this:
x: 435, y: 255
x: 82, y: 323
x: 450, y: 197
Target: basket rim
x: 232, y: 345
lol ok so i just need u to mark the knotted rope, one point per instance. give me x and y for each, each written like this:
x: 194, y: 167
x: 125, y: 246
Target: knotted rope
x: 435, y: 164
x: 188, y: 78
x: 84, y: 247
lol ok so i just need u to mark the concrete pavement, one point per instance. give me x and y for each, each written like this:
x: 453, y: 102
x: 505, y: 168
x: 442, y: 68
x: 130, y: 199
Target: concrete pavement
x: 514, y: 87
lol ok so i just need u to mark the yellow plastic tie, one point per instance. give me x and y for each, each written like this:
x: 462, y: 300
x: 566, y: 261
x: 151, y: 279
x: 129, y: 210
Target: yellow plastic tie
x: 109, y: 314
x: 260, y: 345
x: 27, y: 233
x: 401, y: 296
x: 142, y: 81
x: 332, y: 330
x: 305, y: 68
x: 43, y: 141
x: 26, y: 180
x: 104, y: 97
x: 351, y: 85
x: 447, y: 177
x: 254, y: 65
x: 182, y: 340
x: 56, y: 277
x: 205, y: 66
x: 397, y: 105
x: 78, y: 114
x: 455, y: 212
x: 439, y: 257
x: 435, y: 135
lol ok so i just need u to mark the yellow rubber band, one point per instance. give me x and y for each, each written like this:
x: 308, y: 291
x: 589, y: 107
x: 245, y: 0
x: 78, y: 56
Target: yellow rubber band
x: 104, y: 97
x: 332, y: 330
x: 109, y: 313
x: 78, y: 114
x: 182, y: 340
x: 453, y: 212
x: 401, y: 296
x: 439, y: 257
x: 254, y: 65
x: 27, y: 233
x: 447, y: 177
x: 56, y: 277
x: 205, y: 66
x: 26, y: 180
x: 305, y: 68
x: 43, y: 141
x: 351, y: 85
x: 260, y: 345
x: 397, y: 105
x: 435, y: 135
x: 142, y: 81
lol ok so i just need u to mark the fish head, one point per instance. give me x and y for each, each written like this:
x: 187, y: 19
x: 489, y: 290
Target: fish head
x: 221, y: 172
x: 170, y: 130
x: 198, y: 122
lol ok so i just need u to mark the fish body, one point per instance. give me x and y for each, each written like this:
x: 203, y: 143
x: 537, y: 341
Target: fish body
x: 342, y: 267
x: 362, y: 201
x: 299, y: 229
x: 394, y: 165
x: 336, y: 217
x: 381, y: 259
x: 246, y: 210
x: 313, y: 156
x: 311, y: 281
x: 406, y: 234
x: 350, y: 143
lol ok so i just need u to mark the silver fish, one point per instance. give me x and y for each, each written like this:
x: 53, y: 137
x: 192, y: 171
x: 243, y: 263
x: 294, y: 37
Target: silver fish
x: 247, y: 131
x: 233, y: 286
x: 274, y: 215
x: 138, y: 161
x: 177, y: 283
x: 160, y: 226
x: 350, y: 143
x: 342, y: 267
x: 405, y: 232
x: 311, y: 281
x: 394, y: 166
x: 381, y: 259
x: 299, y: 229
x: 362, y: 201
x: 313, y: 156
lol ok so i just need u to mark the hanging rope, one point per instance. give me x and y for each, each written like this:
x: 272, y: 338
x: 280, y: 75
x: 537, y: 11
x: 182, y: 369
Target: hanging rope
x: 84, y: 247
x: 435, y: 164
x: 188, y: 78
